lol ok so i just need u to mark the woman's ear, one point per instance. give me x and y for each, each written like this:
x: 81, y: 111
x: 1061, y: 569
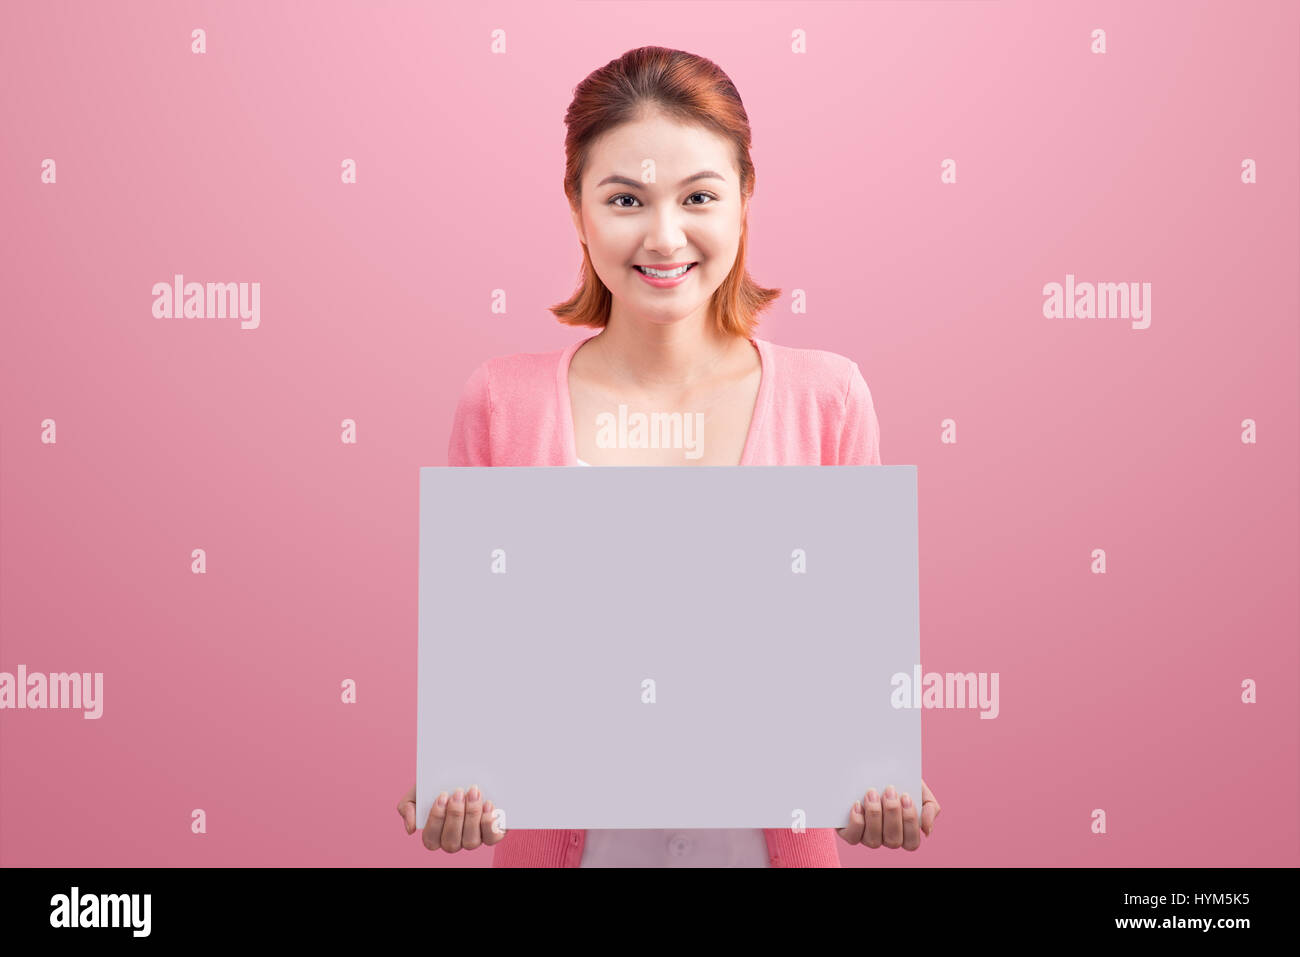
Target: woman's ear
x: 577, y: 224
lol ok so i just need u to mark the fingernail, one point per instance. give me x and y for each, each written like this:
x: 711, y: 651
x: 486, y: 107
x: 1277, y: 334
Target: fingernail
x: 907, y: 799
x: 890, y: 792
x: 473, y: 793
x: 857, y: 807
x: 442, y: 799
x: 458, y: 798
x: 871, y: 796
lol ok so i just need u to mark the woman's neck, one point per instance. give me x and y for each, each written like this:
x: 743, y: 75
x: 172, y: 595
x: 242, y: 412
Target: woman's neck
x: 655, y: 356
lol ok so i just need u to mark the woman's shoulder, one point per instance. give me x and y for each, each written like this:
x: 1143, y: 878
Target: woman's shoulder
x: 498, y: 381
x: 517, y: 366
x: 823, y: 394
x: 507, y: 409
x: 803, y: 374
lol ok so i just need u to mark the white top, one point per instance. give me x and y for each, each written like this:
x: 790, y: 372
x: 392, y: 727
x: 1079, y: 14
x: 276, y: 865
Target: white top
x: 695, y: 847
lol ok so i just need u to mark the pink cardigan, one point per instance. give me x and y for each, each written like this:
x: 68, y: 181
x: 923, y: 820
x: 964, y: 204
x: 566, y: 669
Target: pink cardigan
x: 813, y: 408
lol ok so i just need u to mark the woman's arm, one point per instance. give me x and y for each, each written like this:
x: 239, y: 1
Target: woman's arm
x: 470, y: 440
x: 860, y: 431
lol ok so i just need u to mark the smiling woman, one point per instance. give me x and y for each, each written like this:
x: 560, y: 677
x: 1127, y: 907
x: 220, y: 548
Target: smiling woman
x: 659, y: 179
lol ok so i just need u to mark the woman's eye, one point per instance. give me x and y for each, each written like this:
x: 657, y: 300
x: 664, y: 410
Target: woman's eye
x: 614, y: 200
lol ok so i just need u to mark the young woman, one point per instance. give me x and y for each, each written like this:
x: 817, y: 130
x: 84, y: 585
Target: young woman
x: 659, y: 178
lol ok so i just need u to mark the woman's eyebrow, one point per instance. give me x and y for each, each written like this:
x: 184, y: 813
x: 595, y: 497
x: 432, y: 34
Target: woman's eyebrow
x: 636, y: 184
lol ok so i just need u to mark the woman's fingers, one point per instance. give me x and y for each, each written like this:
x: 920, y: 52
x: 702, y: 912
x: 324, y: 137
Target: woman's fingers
x: 454, y: 826
x: 856, y: 827
x: 875, y: 818
x: 911, y: 833
x: 929, y: 809
x: 432, y: 835
x: 889, y: 819
x: 486, y: 828
x: 406, y: 808
x: 471, y: 837
x: 457, y: 822
x: 893, y: 823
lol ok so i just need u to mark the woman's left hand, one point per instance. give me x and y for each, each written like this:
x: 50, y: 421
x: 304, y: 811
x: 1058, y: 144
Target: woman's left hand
x: 891, y: 821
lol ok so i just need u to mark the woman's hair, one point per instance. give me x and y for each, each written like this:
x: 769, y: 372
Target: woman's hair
x: 688, y: 89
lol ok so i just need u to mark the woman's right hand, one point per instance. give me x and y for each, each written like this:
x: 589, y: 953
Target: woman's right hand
x: 462, y: 822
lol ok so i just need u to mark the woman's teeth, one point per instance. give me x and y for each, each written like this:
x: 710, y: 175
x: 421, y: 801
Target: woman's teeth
x: 664, y: 273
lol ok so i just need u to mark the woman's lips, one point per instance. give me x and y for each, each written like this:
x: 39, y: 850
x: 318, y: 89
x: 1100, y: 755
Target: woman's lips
x: 660, y: 282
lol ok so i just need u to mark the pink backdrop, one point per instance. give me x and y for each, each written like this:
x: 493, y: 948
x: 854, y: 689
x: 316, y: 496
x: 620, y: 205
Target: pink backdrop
x: 1119, y: 691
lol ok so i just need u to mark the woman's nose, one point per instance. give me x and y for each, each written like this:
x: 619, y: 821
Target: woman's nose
x: 666, y: 234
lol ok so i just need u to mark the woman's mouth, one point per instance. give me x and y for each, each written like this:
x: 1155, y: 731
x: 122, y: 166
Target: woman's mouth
x: 662, y: 278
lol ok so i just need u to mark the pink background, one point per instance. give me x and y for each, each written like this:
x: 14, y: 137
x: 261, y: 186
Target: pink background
x: 221, y: 691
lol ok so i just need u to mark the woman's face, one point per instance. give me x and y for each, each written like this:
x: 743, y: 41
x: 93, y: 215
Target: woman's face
x: 689, y: 211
